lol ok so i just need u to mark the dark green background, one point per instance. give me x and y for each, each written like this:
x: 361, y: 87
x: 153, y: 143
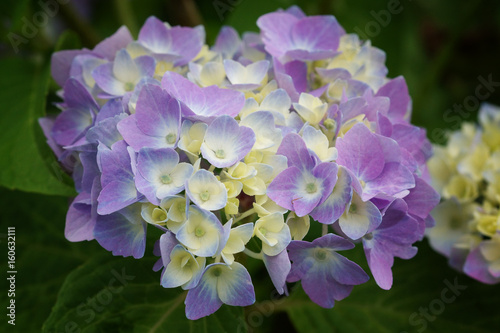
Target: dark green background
x: 441, y: 47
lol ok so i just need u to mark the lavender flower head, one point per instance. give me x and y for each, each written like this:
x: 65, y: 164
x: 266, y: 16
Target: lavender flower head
x: 243, y: 149
x: 467, y: 174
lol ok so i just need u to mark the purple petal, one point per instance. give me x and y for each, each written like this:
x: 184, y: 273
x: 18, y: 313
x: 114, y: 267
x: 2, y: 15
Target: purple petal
x: 105, y: 131
x: 112, y: 108
x: 104, y: 78
x: 236, y: 287
x: 114, y: 163
x: 297, y: 70
x: 295, y: 150
x: 117, y: 180
x: 123, y: 233
x: 227, y: 42
x: 90, y: 169
x: 167, y: 243
x: 380, y: 263
x: 224, y: 134
x: 152, y: 164
x: 109, y: 46
x: 61, y: 64
x: 278, y: 268
x: 394, y: 179
x: 334, y: 206
x: 136, y: 138
x: 324, y: 279
x: 47, y: 123
x: 327, y: 173
x: 324, y: 290
x: 333, y: 242
x: 360, y: 152
x: 79, y: 221
x: 76, y: 95
x: 422, y: 199
x: 186, y: 42
x: 115, y: 196
x: 283, y: 189
x: 346, y: 271
x: 154, y: 35
x: 203, y: 300
x: 476, y: 266
x: 157, y: 113
x: 285, y: 81
x: 71, y: 125
x: 394, y: 237
x: 397, y: 91
x: 224, y: 236
x: 295, y: 11
x: 276, y: 28
x: 414, y: 140
x: 190, y: 94
x: 361, y: 218
x: 222, y: 102
x: 318, y: 35
x: 146, y: 65
x: 352, y: 108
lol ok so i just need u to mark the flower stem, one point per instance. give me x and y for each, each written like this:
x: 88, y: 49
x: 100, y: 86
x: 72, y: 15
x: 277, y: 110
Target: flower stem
x: 252, y: 254
x: 243, y: 215
x: 324, y: 230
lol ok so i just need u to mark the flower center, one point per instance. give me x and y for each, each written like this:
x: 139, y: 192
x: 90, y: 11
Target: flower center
x: 129, y: 86
x: 311, y: 188
x: 353, y: 208
x: 166, y: 179
x: 171, y: 138
x: 368, y: 236
x: 320, y: 254
x: 180, y: 207
x: 205, y: 196
x: 220, y: 153
x: 330, y: 124
x: 186, y: 262
x: 199, y: 232
x: 159, y: 215
x: 263, y: 231
x: 217, y: 271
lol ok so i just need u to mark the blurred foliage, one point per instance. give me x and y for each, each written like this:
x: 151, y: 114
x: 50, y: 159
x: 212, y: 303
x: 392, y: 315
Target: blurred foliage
x: 440, y: 47
x: 122, y: 295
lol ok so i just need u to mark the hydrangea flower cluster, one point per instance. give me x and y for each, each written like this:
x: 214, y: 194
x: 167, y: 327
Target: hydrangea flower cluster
x: 467, y: 174
x: 243, y: 149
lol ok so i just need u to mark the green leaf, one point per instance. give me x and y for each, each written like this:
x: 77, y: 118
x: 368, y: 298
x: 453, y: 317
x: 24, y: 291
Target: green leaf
x: 110, y: 294
x: 23, y: 87
x: 420, y: 299
x: 243, y: 15
x: 43, y: 256
x: 15, y: 11
x: 68, y: 40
